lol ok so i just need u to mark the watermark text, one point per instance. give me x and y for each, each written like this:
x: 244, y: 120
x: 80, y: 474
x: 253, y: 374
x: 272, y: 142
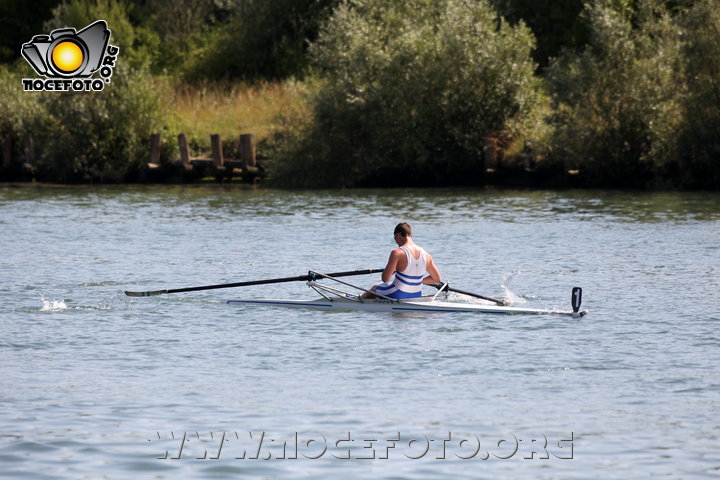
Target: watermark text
x: 261, y: 445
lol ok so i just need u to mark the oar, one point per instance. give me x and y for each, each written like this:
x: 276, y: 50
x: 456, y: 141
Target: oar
x: 457, y: 290
x: 300, y: 278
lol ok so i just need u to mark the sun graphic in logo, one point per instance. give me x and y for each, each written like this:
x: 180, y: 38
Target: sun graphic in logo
x: 67, y: 56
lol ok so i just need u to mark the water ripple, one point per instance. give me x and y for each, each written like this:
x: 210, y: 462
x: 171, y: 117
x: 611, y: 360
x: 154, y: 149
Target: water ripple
x: 93, y: 379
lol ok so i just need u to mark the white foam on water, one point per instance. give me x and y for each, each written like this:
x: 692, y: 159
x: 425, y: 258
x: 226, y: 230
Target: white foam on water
x: 52, y: 305
x: 510, y: 297
x: 114, y: 302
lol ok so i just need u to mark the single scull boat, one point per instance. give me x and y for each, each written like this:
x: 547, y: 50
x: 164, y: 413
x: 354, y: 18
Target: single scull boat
x: 336, y: 299
x: 423, y: 304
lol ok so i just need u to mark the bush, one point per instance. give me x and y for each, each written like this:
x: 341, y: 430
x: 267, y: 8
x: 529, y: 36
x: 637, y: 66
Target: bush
x: 84, y: 136
x: 408, y: 93
x: 555, y: 23
x: 100, y: 136
x: 18, y: 109
x: 20, y: 20
x: 18, y: 119
x: 699, y: 140
x: 136, y: 44
x: 181, y: 29
x: 260, y: 39
x: 87, y: 136
x: 617, y: 103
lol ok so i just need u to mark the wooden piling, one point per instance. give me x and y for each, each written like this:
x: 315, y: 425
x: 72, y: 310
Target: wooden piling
x: 154, y: 150
x: 247, y: 149
x: 219, y: 166
x: 528, y: 156
x: 7, y: 150
x: 491, y: 153
x: 184, y: 150
x: 29, y: 150
x: 28, y: 157
x: 217, y: 153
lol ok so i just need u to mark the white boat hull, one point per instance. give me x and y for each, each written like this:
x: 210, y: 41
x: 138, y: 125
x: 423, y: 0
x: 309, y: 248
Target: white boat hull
x: 414, y: 305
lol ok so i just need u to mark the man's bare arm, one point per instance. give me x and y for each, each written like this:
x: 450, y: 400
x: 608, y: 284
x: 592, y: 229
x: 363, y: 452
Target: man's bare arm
x: 434, y: 276
x: 391, y: 265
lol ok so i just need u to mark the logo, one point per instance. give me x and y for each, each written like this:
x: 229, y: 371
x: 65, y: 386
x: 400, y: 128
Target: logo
x: 68, y: 59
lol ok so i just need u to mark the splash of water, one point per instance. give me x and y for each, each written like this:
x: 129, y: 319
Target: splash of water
x: 115, y: 301
x: 52, y: 305
x: 510, y: 296
x: 110, y: 303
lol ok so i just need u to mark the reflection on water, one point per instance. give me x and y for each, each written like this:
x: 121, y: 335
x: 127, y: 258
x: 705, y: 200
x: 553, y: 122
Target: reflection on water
x: 507, y: 205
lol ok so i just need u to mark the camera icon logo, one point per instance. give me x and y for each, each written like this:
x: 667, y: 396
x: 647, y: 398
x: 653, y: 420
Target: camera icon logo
x: 67, y: 54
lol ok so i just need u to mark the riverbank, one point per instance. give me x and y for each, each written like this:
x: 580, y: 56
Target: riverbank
x: 235, y: 172
x: 198, y: 139
x: 131, y: 133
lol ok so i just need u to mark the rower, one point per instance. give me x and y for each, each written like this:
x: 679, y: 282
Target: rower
x: 404, y: 274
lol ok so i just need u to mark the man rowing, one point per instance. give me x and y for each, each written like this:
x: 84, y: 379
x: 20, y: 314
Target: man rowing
x: 408, y: 263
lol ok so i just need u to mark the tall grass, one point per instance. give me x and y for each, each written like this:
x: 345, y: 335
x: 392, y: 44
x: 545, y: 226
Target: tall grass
x: 231, y: 109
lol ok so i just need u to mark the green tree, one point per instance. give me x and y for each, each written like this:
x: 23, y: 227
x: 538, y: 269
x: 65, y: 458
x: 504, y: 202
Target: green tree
x: 557, y: 24
x: 20, y: 20
x: 19, y: 112
x: 99, y: 136
x: 259, y: 39
x: 616, y: 103
x: 699, y: 151
x: 409, y: 91
x: 136, y: 42
x: 184, y: 28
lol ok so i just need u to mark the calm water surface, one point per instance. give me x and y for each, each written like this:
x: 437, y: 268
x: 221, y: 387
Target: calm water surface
x: 96, y: 385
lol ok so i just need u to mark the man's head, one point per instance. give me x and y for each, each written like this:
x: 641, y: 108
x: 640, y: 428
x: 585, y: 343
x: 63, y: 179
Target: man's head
x: 403, y: 229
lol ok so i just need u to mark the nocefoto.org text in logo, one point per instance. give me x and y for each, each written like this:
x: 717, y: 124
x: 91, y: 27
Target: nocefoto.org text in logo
x: 68, y: 59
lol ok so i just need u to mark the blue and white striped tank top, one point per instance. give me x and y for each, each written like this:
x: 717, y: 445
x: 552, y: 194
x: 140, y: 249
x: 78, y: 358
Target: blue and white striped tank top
x: 408, y: 283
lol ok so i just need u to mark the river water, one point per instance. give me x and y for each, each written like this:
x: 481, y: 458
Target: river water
x: 97, y: 385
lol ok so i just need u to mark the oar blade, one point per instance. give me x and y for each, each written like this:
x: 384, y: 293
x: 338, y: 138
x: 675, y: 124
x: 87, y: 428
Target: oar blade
x: 576, y: 299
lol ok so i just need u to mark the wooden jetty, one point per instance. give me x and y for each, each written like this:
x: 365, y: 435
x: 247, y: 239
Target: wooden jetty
x: 239, y: 162
x: 248, y: 166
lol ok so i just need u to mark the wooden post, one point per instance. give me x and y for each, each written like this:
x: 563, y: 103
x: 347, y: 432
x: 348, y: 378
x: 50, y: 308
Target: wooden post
x: 527, y: 155
x: 7, y: 150
x: 491, y: 153
x: 184, y: 149
x: 247, y: 149
x: 217, y: 153
x: 29, y: 150
x: 155, y: 149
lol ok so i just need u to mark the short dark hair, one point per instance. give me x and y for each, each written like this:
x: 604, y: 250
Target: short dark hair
x: 403, y: 229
